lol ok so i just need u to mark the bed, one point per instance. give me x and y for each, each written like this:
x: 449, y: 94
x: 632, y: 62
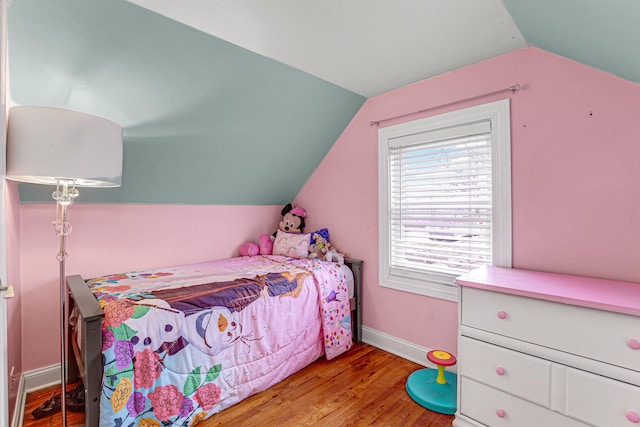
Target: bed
x: 177, y: 345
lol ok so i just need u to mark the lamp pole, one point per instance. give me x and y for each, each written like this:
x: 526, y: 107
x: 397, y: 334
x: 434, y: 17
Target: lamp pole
x: 63, y: 196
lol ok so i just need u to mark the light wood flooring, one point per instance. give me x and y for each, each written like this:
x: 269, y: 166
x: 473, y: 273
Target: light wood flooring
x: 363, y: 387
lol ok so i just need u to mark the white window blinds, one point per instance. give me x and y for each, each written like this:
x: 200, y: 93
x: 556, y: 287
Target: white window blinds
x: 440, y: 201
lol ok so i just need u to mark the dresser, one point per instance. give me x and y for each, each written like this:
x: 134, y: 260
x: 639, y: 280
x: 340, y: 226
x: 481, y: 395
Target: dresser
x: 540, y: 349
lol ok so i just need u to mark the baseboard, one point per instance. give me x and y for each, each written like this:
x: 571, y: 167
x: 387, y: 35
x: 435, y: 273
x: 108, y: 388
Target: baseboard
x: 462, y: 421
x: 399, y: 347
x: 41, y: 378
x: 32, y: 381
x: 21, y: 401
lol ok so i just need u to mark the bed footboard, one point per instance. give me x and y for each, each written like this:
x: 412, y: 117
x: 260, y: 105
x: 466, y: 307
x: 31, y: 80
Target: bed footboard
x: 87, y: 347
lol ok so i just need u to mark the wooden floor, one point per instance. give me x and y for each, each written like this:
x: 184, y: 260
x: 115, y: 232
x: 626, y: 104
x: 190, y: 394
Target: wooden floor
x: 363, y: 387
x: 37, y: 398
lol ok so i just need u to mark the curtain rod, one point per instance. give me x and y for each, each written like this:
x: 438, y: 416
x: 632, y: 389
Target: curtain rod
x: 512, y: 89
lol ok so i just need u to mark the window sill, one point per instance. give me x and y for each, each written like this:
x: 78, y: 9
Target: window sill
x: 422, y: 287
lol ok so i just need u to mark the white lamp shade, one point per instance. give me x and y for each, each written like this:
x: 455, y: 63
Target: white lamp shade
x: 45, y: 145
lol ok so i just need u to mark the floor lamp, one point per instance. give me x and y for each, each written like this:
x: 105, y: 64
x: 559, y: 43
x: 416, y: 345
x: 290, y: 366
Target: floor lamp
x: 66, y: 149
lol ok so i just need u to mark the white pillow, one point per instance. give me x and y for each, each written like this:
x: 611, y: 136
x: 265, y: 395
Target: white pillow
x: 292, y: 244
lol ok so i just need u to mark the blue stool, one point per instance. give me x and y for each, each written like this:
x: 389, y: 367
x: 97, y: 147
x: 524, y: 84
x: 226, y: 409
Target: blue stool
x: 435, y: 389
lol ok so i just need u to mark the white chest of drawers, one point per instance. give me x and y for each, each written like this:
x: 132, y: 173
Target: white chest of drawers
x: 541, y: 349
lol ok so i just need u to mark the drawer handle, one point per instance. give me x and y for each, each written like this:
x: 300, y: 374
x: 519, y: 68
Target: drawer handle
x: 633, y: 344
x: 502, y: 314
x: 500, y: 413
x: 633, y: 417
x: 500, y: 370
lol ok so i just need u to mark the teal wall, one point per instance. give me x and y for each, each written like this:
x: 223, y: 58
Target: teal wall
x: 205, y: 121
x: 600, y: 33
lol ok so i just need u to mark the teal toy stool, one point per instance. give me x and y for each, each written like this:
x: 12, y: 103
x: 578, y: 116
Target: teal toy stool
x: 435, y: 389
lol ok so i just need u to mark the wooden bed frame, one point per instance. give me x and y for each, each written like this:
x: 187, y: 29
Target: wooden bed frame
x: 87, y: 363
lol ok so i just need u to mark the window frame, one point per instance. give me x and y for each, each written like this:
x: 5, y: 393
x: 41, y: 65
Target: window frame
x: 439, y: 285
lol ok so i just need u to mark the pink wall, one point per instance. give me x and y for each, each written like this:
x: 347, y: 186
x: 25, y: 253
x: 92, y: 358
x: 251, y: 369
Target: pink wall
x: 115, y: 238
x: 576, y: 198
x: 576, y: 180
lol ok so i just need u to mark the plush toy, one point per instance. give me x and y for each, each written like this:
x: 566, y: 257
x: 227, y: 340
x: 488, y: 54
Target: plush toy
x: 292, y: 222
x: 292, y: 219
x: 334, y: 256
x: 265, y: 247
x: 319, y: 248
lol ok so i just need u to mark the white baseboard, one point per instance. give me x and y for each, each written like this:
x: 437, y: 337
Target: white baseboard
x: 32, y: 381
x: 41, y: 378
x: 399, y: 347
x: 21, y: 401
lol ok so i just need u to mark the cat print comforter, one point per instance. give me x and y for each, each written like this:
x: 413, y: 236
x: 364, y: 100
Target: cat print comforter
x: 181, y: 344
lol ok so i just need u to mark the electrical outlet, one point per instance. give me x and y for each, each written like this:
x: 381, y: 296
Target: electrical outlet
x: 13, y: 376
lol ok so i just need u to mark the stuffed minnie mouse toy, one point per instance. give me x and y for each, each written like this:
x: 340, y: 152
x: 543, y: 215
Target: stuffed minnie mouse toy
x: 292, y: 222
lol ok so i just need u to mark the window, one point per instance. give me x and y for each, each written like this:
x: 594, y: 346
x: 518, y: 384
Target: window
x: 445, y: 198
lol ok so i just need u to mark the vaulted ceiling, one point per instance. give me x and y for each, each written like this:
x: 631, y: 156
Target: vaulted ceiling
x: 366, y: 46
x: 373, y: 46
x: 237, y: 101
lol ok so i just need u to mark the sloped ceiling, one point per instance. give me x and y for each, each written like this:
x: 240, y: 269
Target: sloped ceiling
x: 205, y: 121
x: 366, y: 46
x: 237, y: 101
x: 373, y: 46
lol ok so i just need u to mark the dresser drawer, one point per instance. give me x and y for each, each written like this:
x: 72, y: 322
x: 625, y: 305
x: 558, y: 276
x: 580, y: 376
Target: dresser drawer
x: 601, y: 401
x: 495, y: 408
x: 516, y: 373
x: 595, y: 334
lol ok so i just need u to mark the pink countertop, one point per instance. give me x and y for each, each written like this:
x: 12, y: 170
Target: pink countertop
x: 610, y: 295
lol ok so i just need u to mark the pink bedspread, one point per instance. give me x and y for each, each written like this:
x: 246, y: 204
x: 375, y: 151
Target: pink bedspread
x: 181, y: 344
